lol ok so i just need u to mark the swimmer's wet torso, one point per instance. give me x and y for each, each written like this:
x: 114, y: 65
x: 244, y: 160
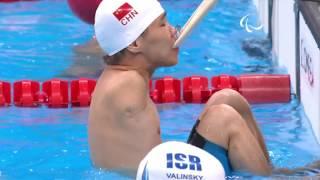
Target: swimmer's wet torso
x: 124, y: 122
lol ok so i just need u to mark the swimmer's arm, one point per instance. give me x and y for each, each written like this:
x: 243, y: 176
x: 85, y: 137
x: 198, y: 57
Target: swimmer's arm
x: 129, y: 96
x: 130, y: 104
x: 284, y: 171
x: 314, y: 165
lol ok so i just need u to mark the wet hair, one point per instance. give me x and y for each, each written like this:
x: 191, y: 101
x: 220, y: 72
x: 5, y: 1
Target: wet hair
x: 116, y: 58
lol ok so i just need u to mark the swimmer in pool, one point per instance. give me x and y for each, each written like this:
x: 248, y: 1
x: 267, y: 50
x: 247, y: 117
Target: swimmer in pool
x: 124, y: 122
x: 86, y: 61
x: 310, y: 169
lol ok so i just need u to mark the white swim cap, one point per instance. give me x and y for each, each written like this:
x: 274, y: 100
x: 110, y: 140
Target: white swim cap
x: 118, y: 23
x: 177, y: 160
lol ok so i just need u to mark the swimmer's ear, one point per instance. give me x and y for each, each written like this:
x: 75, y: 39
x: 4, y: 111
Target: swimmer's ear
x: 136, y: 46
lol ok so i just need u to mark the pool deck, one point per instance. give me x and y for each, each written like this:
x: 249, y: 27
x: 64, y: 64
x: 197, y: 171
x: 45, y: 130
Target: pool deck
x: 295, y: 32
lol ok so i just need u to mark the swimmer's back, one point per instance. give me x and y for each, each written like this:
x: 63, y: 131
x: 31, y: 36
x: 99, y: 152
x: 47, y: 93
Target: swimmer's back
x: 123, y: 121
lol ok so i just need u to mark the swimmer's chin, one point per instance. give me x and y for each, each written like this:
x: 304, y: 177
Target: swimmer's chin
x: 171, y: 59
x: 171, y: 63
x: 174, y: 60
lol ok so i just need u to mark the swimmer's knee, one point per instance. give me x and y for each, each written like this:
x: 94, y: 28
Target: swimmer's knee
x: 220, y: 109
x: 231, y: 98
x: 226, y: 95
x: 222, y: 114
x: 220, y: 123
x: 229, y: 92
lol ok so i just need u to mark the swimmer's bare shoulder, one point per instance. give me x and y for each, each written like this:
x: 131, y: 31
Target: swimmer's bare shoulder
x: 124, y: 91
x: 122, y: 118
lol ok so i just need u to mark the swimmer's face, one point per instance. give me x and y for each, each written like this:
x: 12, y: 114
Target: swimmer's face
x: 158, y: 43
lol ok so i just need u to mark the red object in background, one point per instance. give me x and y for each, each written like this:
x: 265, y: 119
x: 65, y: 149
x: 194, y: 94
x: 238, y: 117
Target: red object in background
x: 153, y: 92
x: 81, y: 91
x: 265, y: 88
x: 42, y: 97
x: 5, y: 93
x: 255, y: 88
x: 168, y: 90
x: 11, y: 1
x: 195, y: 89
x: 57, y: 92
x: 223, y: 82
x: 8, y: 1
x: 85, y: 9
x: 25, y: 93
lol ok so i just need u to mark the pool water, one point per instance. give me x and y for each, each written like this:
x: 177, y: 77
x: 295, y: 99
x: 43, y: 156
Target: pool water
x: 37, y: 42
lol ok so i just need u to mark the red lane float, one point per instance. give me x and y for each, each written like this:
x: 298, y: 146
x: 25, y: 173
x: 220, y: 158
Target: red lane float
x: 265, y: 88
x: 195, y: 89
x: 81, y: 91
x: 5, y: 93
x: 255, y: 88
x: 223, y: 82
x: 154, y: 94
x: 26, y: 93
x: 57, y: 93
x: 168, y: 90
